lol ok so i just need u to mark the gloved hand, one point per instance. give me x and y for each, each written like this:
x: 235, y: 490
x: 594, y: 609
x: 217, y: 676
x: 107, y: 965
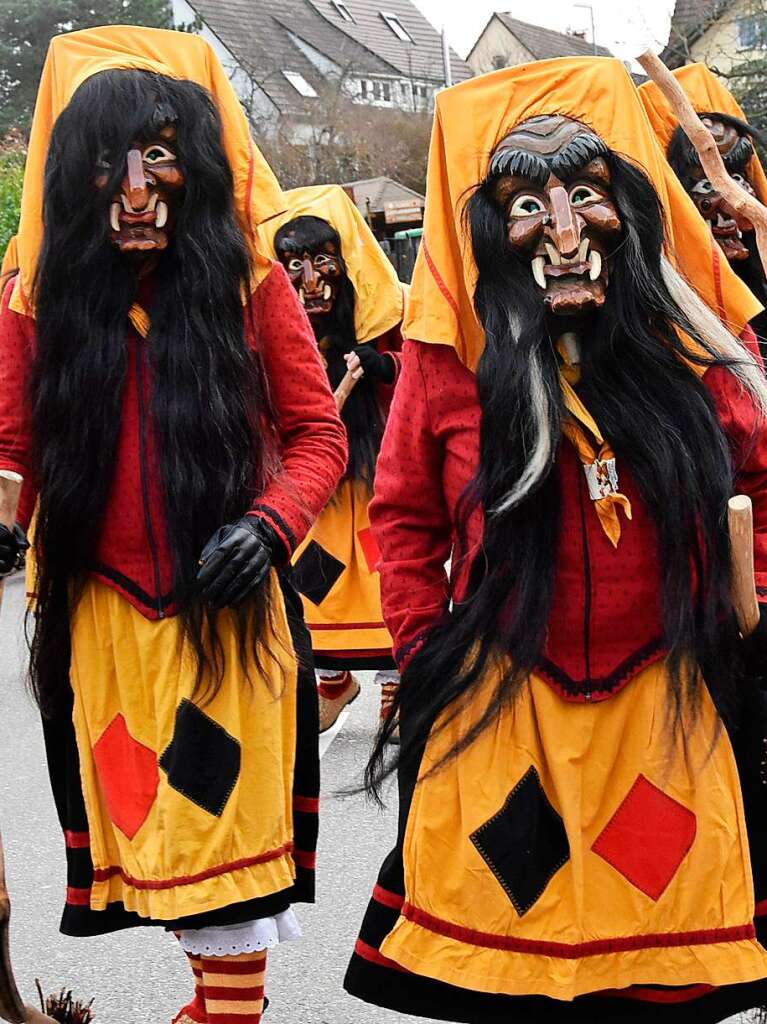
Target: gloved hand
x: 377, y: 367
x: 13, y: 544
x: 236, y: 559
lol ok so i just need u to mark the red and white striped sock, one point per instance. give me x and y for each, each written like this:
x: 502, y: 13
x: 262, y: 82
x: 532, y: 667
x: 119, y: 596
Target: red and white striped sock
x: 194, y: 1011
x: 333, y: 684
x: 234, y: 988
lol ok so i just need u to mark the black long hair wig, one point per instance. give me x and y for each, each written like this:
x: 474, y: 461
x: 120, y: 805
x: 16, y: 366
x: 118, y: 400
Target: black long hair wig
x: 208, y: 395
x: 362, y: 413
x: 663, y: 427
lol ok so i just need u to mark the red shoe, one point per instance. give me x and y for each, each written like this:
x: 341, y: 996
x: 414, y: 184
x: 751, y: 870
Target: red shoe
x: 388, y: 693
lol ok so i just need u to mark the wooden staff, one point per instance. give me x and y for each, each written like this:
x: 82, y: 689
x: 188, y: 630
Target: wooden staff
x: 11, y: 1007
x: 344, y: 389
x: 711, y: 161
x: 741, y: 522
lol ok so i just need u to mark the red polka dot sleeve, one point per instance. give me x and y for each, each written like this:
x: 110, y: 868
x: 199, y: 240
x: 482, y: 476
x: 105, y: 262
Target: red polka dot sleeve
x: 16, y: 352
x: 311, y: 435
x: 409, y: 514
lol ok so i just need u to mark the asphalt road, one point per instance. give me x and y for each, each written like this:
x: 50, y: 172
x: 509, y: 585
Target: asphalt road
x: 140, y: 976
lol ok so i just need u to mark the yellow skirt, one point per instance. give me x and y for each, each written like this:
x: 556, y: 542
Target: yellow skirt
x: 336, y: 575
x: 577, y: 848
x: 188, y: 802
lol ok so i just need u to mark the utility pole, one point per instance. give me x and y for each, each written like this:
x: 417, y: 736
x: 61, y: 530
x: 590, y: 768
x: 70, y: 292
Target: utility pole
x: 446, y: 59
x: 590, y: 9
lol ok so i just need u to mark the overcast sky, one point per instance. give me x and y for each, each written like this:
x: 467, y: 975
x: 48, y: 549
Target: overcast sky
x: 465, y: 19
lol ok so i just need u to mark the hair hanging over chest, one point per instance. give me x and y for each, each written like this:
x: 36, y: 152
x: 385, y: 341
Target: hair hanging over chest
x: 660, y: 420
x: 207, y: 395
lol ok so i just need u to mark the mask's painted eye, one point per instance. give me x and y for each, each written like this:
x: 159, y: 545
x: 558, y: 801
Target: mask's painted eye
x: 158, y: 155
x: 583, y: 194
x: 702, y: 187
x: 323, y: 260
x: 526, y: 206
x: 295, y: 265
x: 104, y: 161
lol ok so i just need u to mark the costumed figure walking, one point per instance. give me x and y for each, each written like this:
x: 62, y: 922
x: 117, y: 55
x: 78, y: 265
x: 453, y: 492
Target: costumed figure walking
x: 581, y: 834
x: 725, y: 119
x: 162, y: 396
x: 355, y: 304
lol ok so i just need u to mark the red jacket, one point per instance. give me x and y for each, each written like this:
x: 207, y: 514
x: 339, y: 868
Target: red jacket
x: 308, y: 438
x: 606, y: 618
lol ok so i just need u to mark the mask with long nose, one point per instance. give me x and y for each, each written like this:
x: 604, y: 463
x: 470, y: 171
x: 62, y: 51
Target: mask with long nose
x: 314, y: 264
x: 552, y: 180
x: 142, y: 213
x: 727, y: 225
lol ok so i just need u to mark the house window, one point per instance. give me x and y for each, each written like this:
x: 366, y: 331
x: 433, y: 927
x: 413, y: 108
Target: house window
x: 300, y: 84
x: 343, y: 10
x: 752, y: 32
x: 396, y: 26
x: 375, y: 91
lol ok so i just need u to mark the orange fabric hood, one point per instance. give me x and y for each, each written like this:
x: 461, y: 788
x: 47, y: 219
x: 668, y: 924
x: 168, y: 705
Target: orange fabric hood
x: 471, y: 118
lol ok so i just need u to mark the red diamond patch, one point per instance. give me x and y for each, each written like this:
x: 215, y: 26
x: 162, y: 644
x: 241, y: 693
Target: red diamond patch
x: 128, y: 776
x: 370, y: 548
x: 647, y: 838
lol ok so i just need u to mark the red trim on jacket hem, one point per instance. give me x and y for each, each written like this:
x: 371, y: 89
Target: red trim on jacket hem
x: 375, y: 956
x: 103, y: 874
x: 389, y: 899
x: 576, y: 950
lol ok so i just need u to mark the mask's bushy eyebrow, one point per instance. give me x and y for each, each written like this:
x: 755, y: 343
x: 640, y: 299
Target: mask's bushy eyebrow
x: 577, y: 154
x: 163, y: 117
x: 740, y: 154
x: 518, y: 163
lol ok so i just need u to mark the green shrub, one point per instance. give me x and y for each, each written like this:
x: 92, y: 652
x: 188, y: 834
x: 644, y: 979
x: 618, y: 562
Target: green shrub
x: 11, y: 176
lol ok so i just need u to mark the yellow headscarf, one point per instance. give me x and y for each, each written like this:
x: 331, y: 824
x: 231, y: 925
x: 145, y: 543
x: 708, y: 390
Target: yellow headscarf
x: 77, y: 56
x: 380, y: 296
x: 471, y: 118
x: 708, y: 94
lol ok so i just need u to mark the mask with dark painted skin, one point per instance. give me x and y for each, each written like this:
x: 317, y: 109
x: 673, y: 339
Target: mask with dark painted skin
x: 736, y: 148
x: 142, y: 213
x: 553, y: 183
x: 310, y: 253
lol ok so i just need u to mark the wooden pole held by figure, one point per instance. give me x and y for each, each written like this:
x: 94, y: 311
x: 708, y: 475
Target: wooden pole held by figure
x: 741, y: 522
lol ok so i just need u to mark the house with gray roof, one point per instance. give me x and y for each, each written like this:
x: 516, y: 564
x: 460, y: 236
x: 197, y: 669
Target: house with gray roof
x: 505, y: 42
x: 284, y: 55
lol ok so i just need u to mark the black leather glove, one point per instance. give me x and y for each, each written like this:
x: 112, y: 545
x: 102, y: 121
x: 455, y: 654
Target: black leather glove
x: 236, y: 559
x: 13, y: 544
x: 377, y: 367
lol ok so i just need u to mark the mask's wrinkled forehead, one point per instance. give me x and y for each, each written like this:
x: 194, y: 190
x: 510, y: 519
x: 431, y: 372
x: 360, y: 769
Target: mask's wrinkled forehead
x: 545, y: 145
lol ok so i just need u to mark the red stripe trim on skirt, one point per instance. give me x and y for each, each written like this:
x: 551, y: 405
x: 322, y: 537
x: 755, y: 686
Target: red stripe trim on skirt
x: 316, y: 627
x: 576, y: 950
x: 305, y: 859
x: 389, y: 899
x: 306, y: 804
x: 103, y: 874
x: 375, y: 956
x: 77, y: 840
x: 654, y: 995
x: 78, y: 897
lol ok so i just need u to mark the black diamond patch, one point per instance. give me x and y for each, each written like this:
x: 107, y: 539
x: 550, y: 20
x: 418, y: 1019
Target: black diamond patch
x: 315, y: 572
x: 202, y: 760
x: 525, y: 843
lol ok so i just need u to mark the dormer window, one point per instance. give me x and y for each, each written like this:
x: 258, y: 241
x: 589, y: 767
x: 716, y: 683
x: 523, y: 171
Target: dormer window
x: 343, y: 10
x: 396, y: 26
x: 300, y: 84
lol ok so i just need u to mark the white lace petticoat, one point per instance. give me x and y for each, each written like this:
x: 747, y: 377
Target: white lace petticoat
x: 249, y: 937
